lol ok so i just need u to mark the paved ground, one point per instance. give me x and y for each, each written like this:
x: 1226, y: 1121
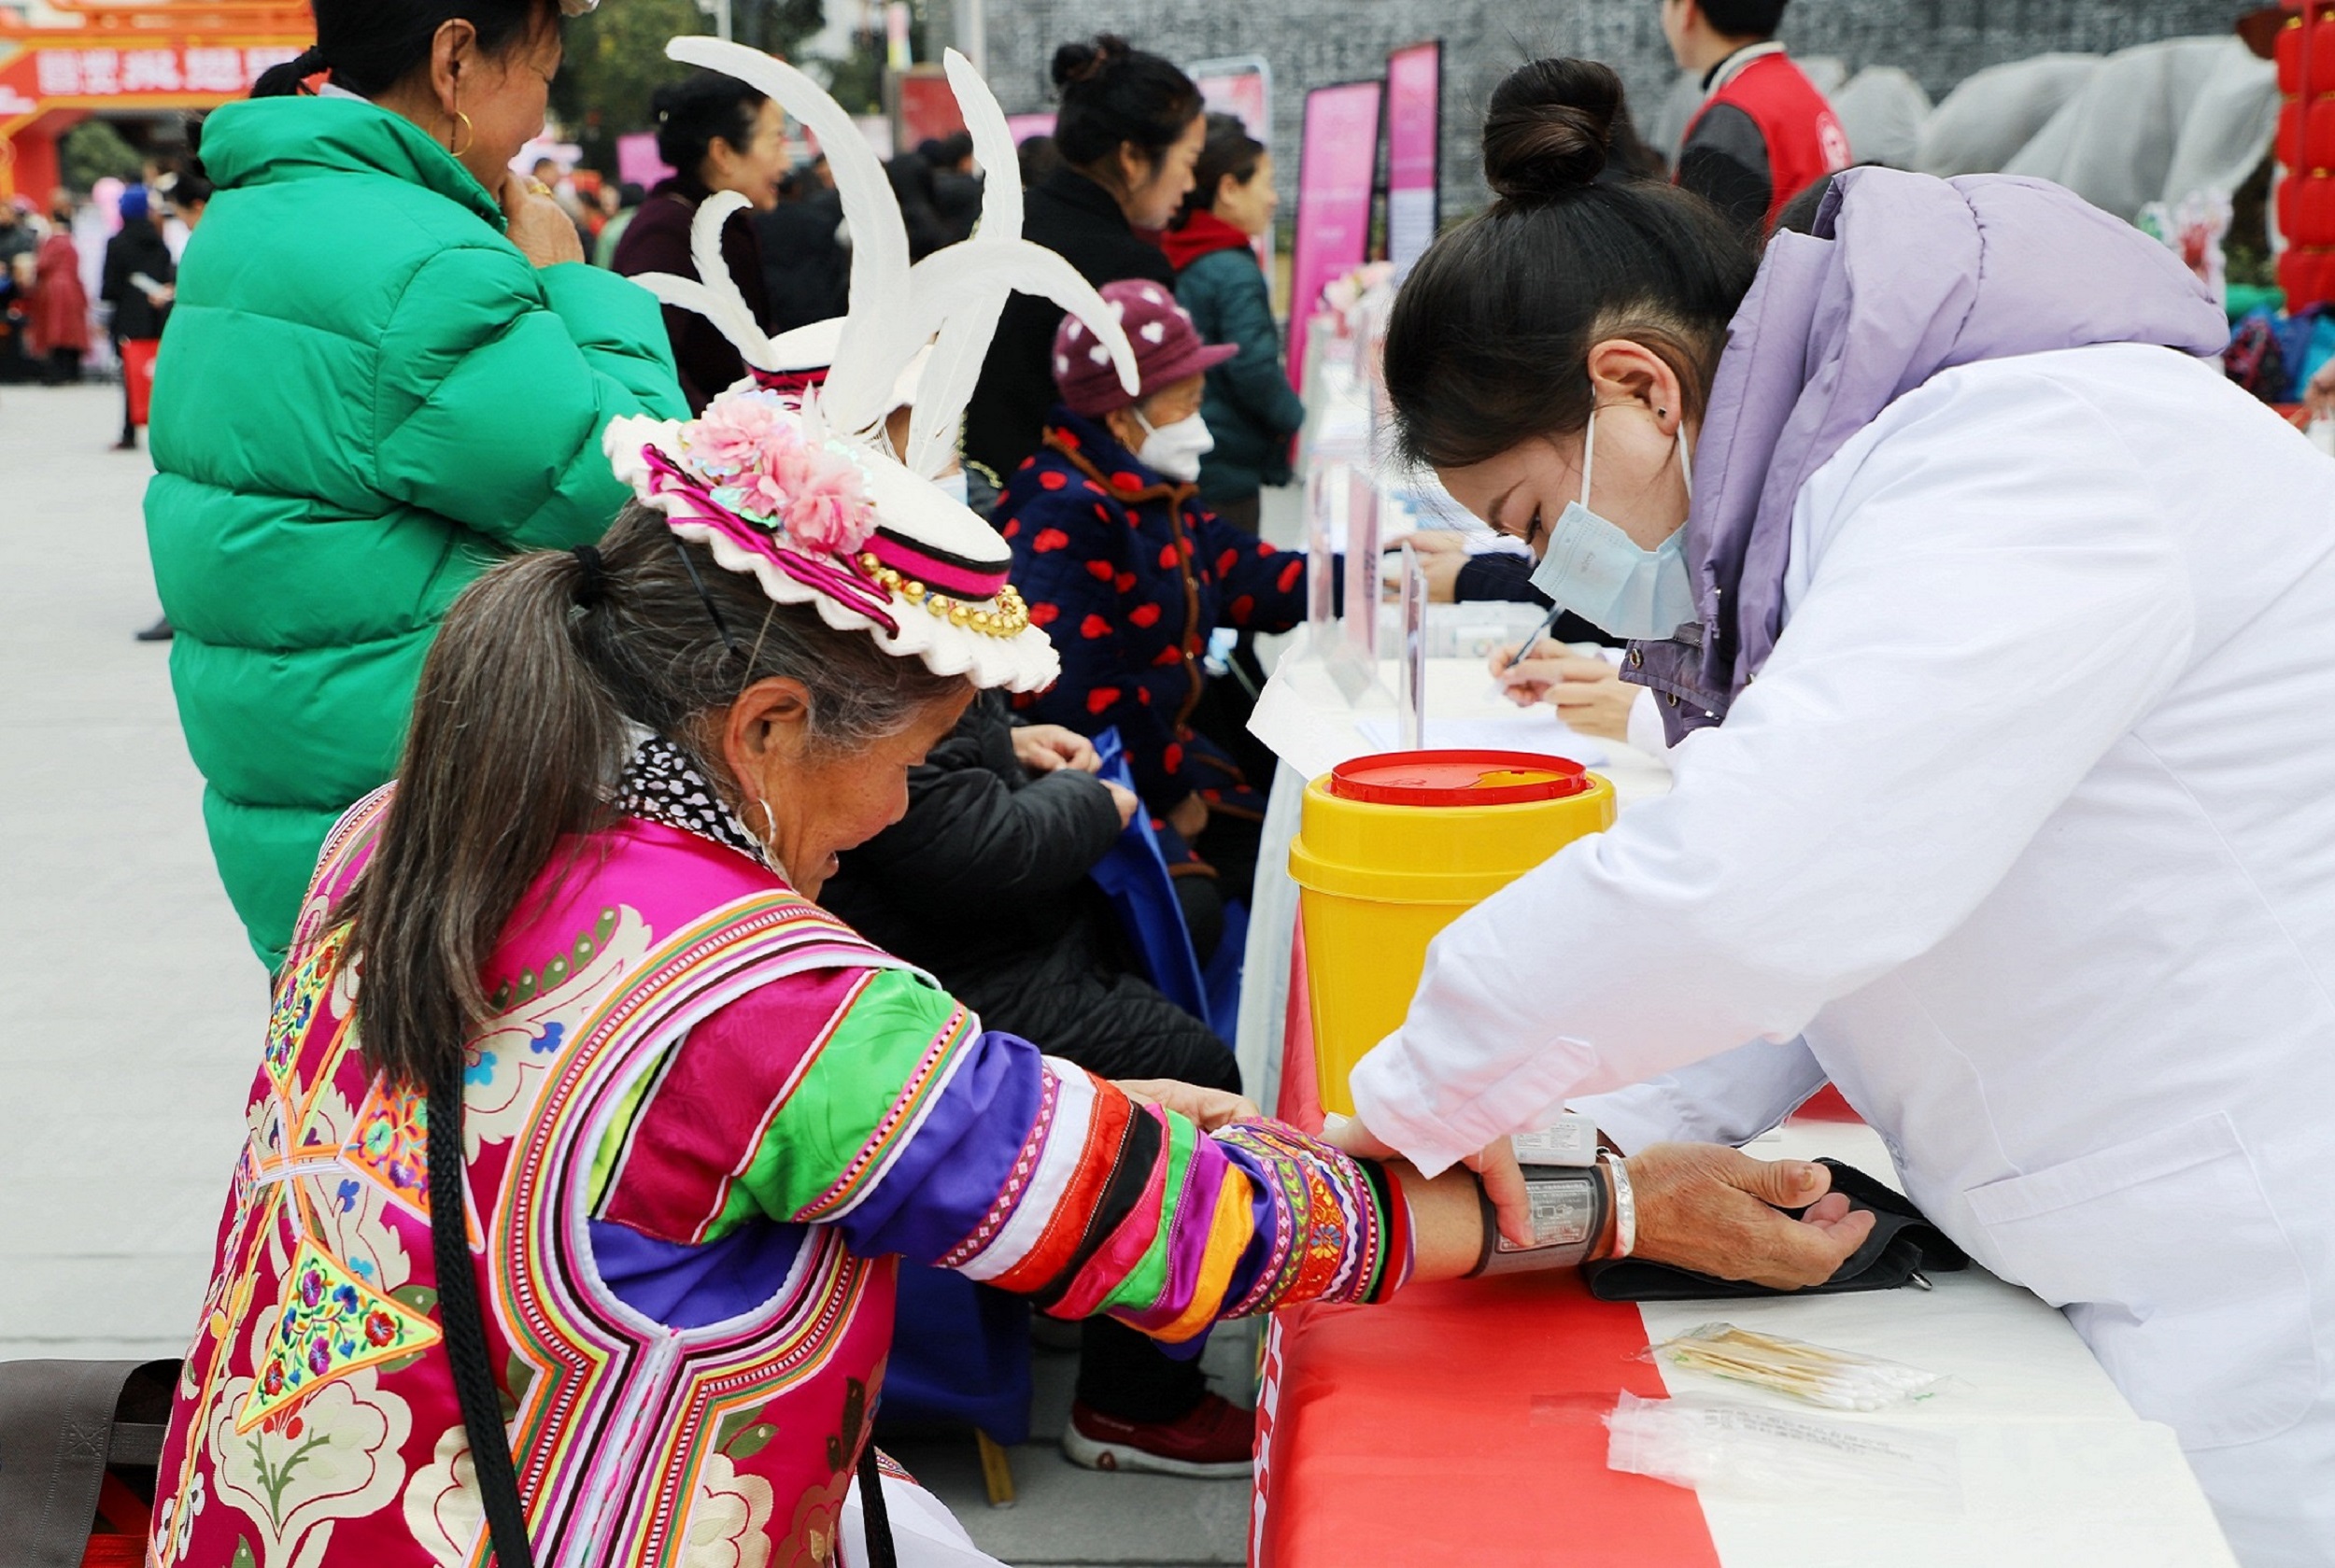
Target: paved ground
x: 130, y: 1009
x: 129, y: 1005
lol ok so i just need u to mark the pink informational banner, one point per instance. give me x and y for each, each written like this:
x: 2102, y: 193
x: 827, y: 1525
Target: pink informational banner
x: 1337, y: 169
x: 1021, y: 127
x: 1414, y: 146
x: 637, y: 163
x: 1242, y: 86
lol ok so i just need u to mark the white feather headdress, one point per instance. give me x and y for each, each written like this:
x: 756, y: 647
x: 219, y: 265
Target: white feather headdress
x: 931, y: 569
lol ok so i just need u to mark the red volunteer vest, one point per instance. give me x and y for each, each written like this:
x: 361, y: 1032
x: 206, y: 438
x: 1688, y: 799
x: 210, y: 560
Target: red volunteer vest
x: 1804, y: 139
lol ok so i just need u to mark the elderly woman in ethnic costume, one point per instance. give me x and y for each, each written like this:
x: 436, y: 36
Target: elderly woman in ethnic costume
x: 580, y: 1128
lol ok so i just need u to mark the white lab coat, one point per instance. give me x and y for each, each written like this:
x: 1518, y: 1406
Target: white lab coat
x: 2025, y: 836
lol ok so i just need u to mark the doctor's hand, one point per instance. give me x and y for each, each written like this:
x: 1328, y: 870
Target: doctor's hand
x: 1495, y: 1165
x: 1441, y: 554
x: 1714, y: 1209
x: 1588, y: 693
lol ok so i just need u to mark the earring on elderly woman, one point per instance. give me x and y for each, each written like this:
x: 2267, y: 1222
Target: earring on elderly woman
x: 769, y: 838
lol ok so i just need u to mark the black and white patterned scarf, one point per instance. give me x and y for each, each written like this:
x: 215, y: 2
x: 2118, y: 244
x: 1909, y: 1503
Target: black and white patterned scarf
x: 662, y: 784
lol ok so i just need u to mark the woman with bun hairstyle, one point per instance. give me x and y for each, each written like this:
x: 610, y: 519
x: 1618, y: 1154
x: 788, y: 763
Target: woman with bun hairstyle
x: 1251, y: 408
x: 388, y: 367
x: 1980, y: 609
x: 1129, y: 129
x: 720, y: 134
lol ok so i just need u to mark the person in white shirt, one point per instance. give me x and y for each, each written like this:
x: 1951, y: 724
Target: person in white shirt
x: 1994, y: 632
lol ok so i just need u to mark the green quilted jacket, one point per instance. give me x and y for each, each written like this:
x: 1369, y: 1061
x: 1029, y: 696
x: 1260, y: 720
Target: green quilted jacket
x: 367, y: 396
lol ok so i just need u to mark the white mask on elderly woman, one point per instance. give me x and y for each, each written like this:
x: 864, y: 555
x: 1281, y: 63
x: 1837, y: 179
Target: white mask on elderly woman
x: 1175, y: 450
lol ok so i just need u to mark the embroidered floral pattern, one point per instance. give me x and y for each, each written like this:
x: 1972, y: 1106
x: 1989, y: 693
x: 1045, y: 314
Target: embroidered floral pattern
x: 332, y: 1324
x: 296, y: 998
x: 335, y: 1458
x: 443, y: 1508
x: 728, y: 1524
x: 546, y: 1010
x: 391, y: 1146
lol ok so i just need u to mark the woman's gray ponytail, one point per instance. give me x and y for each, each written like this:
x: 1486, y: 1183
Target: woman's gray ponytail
x: 513, y: 744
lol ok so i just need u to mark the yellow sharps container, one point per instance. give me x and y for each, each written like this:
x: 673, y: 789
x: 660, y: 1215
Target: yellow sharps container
x: 1391, y: 849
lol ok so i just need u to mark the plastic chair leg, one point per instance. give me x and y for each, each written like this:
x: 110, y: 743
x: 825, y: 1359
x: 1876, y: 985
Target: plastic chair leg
x: 997, y: 1470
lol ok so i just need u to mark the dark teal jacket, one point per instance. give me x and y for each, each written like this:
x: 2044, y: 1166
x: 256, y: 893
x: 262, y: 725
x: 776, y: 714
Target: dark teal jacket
x: 1250, y: 407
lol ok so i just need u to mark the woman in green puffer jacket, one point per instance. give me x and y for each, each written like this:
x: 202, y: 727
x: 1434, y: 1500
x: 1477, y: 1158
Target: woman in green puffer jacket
x: 389, y: 368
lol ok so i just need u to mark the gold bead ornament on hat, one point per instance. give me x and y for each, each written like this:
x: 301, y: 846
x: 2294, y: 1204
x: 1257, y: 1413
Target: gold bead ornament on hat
x: 1005, y: 615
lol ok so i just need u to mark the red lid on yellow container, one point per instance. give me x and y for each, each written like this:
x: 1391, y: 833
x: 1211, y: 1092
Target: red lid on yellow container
x: 1457, y: 778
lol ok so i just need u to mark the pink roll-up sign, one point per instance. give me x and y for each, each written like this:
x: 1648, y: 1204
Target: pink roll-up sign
x: 1414, y: 145
x: 637, y: 163
x: 1338, y: 168
x: 1241, y: 87
x: 1021, y: 127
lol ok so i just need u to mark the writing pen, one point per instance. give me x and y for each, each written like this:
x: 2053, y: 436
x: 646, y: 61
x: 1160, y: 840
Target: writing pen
x: 1524, y: 650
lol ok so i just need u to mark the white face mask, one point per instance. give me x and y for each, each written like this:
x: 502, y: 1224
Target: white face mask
x: 1599, y: 573
x: 1175, y: 450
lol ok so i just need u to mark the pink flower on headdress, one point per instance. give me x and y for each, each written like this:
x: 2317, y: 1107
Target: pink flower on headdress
x: 829, y: 509
x: 731, y: 435
x: 762, y: 463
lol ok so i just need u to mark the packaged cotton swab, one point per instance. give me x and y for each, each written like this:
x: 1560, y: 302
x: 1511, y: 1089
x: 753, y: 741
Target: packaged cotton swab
x: 1836, y: 1380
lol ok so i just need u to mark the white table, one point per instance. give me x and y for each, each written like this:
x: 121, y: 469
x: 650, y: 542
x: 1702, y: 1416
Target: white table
x: 2056, y: 1471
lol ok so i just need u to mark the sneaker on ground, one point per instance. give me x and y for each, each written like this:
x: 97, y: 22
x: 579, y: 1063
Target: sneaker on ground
x: 1214, y: 1442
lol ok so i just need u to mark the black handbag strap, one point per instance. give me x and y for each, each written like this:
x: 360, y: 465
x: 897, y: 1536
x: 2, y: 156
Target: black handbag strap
x: 465, y: 1328
x: 875, y: 1515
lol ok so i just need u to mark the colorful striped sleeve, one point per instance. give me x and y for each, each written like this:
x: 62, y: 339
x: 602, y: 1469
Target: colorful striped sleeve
x: 873, y: 1101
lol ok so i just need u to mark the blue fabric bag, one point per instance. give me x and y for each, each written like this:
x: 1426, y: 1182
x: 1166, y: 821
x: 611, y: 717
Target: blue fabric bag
x: 1221, y: 975
x: 960, y: 1355
x: 1134, y: 876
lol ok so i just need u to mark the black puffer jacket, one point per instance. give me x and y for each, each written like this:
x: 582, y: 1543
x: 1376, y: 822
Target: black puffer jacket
x: 984, y: 883
x: 1080, y: 222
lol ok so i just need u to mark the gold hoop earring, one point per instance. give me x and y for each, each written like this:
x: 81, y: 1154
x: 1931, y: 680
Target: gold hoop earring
x: 468, y: 133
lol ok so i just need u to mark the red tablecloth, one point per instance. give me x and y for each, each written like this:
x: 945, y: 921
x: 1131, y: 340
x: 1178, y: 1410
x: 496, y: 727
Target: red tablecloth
x: 1461, y: 1424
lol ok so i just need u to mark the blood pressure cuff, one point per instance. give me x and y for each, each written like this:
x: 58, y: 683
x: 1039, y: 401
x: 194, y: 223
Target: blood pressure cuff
x: 1903, y: 1241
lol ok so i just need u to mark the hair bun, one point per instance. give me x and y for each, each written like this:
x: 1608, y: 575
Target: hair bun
x: 1082, y: 61
x: 1548, y: 128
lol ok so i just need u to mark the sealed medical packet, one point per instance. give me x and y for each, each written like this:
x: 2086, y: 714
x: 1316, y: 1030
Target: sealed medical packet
x: 1717, y: 1444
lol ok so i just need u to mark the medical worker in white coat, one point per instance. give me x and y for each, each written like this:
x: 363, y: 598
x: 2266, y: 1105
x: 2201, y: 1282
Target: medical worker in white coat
x: 1995, y: 631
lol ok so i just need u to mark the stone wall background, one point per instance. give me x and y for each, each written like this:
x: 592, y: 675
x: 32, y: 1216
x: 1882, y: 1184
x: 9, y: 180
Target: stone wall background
x: 1310, y: 43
